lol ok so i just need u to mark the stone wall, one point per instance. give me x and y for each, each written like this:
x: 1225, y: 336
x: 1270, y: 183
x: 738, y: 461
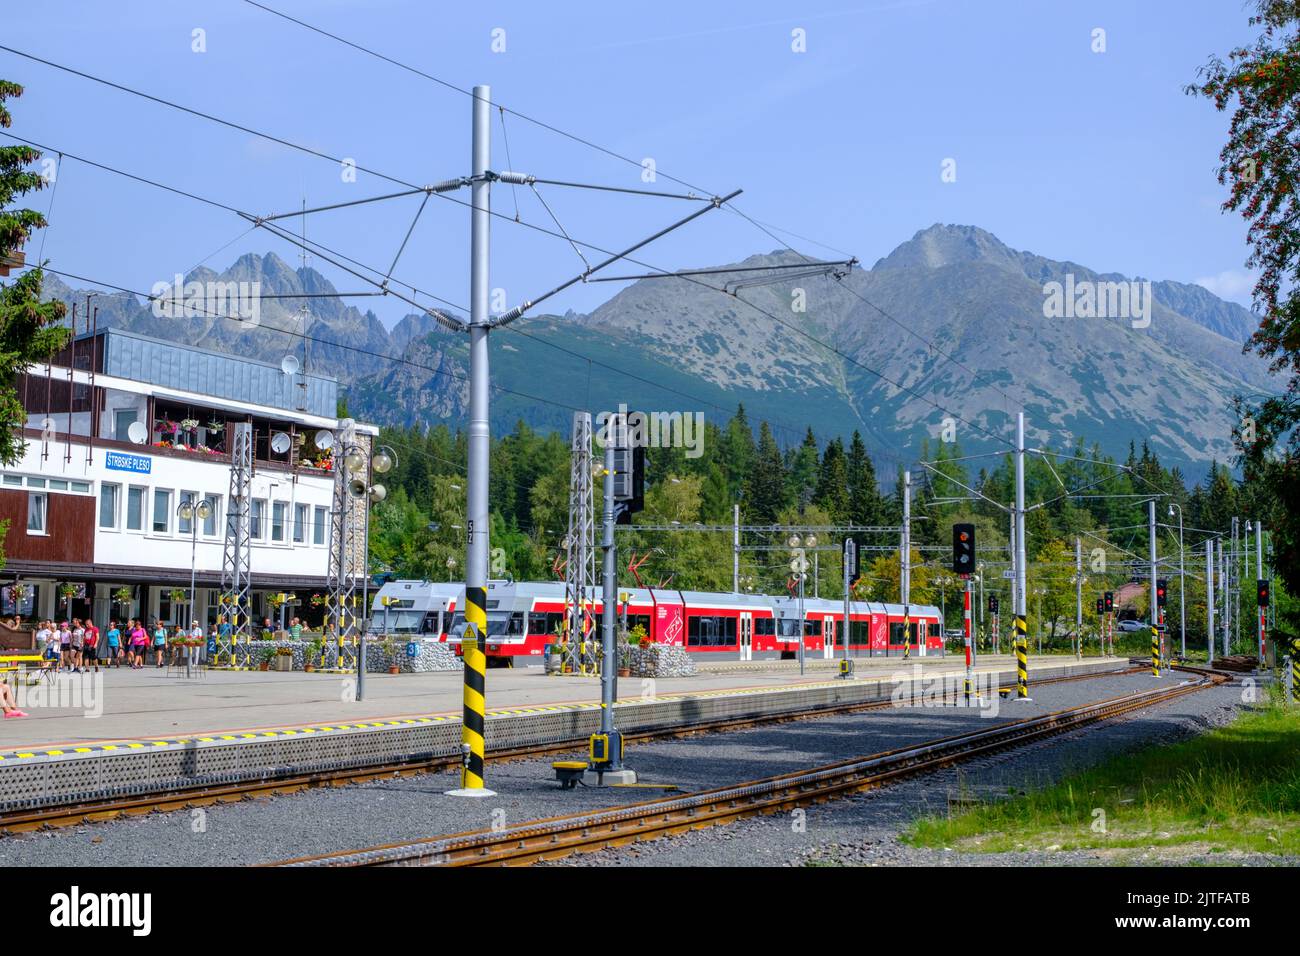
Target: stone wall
x: 433, y: 655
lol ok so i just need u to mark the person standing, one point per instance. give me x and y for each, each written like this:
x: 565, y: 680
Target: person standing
x: 65, y: 645
x: 43, y: 635
x: 159, y: 642
x: 196, y: 641
x: 113, y: 643
x: 295, y: 629
x: 92, y: 643
x: 139, y: 641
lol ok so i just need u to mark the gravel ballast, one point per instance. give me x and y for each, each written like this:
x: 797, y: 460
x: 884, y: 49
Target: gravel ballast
x: 857, y: 830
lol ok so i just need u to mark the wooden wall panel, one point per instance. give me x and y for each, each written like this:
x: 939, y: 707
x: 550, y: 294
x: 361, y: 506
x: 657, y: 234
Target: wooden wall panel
x: 70, y: 521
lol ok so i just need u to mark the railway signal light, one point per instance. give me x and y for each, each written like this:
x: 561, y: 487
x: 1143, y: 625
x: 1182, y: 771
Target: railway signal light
x: 993, y: 604
x: 1101, y: 606
x: 1261, y: 592
x: 1109, y: 598
x: 1162, y: 592
x: 629, y: 483
x: 963, y: 548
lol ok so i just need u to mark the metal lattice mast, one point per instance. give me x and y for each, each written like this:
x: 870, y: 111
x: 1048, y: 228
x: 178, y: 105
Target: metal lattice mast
x: 580, y: 552
x: 341, y: 574
x: 237, y: 549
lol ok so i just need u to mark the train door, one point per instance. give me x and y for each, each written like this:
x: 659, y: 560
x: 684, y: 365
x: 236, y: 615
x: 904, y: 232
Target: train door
x: 745, y: 635
x: 828, y: 637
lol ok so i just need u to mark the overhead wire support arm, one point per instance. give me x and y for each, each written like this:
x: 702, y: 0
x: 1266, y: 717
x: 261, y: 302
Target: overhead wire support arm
x: 507, y: 317
x: 723, y: 270
x: 437, y: 315
x: 526, y: 179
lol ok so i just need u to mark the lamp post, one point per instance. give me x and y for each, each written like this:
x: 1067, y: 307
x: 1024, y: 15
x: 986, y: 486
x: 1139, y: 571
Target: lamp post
x: 1182, y: 594
x: 360, y: 486
x: 451, y: 568
x: 799, y: 567
x: 194, y: 513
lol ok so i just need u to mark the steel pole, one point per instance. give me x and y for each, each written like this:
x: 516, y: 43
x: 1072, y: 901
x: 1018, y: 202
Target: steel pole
x: 1078, y: 598
x: 1022, y: 628
x: 1259, y: 576
x: 1209, y: 600
x: 1227, y: 608
x: 905, y: 565
x: 476, y: 518
x: 609, y: 604
x: 966, y: 628
x: 1154, y: 611
x: 735, y: 548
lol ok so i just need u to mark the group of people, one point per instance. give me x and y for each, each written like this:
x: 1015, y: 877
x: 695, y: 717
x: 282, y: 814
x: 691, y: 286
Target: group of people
x: 74, y: 646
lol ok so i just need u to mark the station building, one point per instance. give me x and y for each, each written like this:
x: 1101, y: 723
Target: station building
x: 122, y: 430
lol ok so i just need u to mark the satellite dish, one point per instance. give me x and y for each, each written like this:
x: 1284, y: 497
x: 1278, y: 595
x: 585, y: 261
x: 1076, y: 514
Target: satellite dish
x: 137, y: 433
x: 289, y: 365
x: 324, y: 439
x: 280, y: 443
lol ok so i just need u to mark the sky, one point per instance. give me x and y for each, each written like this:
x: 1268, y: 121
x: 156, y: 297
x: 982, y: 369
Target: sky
x: 1095, y: 157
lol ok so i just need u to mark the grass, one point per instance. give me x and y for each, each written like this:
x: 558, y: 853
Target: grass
x: 1236, y: 788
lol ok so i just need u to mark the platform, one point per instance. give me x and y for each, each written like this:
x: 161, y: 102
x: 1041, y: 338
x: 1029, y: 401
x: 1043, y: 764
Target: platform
x: 156, y: 730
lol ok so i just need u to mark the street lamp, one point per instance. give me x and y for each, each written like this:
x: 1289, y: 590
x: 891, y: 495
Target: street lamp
x: 451, y: 566
x: 799, y: 568
x: 356, y: 464
x: 194, y: 513
x: 1182, y: 599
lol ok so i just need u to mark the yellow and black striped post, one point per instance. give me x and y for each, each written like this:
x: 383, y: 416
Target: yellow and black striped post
x: 1022, y: 657
x: 907, y: 632
x: 472, y: 721
x: 1155, y: 651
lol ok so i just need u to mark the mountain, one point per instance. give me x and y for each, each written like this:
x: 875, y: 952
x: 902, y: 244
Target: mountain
x: 951, y: 324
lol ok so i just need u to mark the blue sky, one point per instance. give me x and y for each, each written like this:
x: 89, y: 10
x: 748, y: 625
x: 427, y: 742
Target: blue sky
x: 1099, y: 158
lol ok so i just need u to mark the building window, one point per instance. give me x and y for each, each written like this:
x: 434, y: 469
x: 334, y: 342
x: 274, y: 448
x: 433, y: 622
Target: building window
x: 108, y: 498
x: 278, y: 509
x: 123, y: 419
x: 318, y: 526
x: 300, y: 513
x: 210, y: 522
x: 256, y: 516
x: 37, y: 503
x: 135, y: 509
x: 13, y: 480
x: 162, y: 510
x: 183, y: 525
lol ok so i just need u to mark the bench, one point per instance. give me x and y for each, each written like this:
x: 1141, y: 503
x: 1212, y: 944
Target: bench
x: 13, y: 663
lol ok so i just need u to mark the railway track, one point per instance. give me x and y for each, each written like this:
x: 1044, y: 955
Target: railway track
x: 557, y: 837
x: 77, y: 814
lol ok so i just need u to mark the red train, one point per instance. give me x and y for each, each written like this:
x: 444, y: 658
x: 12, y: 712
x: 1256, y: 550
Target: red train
x: 523, y: 617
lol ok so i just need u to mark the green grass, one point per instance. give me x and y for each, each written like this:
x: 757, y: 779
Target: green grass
x: 1232, y: 789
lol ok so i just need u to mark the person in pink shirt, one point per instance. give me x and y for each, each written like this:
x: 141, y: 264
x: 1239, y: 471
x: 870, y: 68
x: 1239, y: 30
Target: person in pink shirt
x: 139, y: 641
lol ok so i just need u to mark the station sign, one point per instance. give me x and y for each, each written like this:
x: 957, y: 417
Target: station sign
x: 125, y: 461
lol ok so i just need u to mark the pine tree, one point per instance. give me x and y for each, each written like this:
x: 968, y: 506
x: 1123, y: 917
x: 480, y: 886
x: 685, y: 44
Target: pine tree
x: 832, y: 483
x: 765, y: 492
x: 865, y: 506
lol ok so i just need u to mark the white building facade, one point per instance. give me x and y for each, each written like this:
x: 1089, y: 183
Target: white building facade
x: 122, y: 431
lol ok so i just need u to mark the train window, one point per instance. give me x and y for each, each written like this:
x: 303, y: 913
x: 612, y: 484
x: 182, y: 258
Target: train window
x: 896, y: 633
x: 934, y: 630
x: 704, y: 631
x: 812, y: 628
x: 764, y: 627
x: 860, y: 632
x: 728, y: 633
x: 633, y: 620
x: 789, y: 628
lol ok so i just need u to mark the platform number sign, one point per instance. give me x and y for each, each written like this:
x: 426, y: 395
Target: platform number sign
x: 963, y: 549
x: 412, y: 650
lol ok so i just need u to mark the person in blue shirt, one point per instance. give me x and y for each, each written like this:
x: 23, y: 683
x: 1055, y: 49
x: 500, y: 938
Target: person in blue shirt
x: 114, y: 638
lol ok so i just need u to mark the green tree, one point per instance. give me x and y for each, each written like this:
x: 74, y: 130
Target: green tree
x: 1260, y: 165
x: 765, y: 488
x: 29, y: 328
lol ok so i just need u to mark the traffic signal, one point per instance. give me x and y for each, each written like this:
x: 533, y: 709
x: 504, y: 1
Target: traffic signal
x: 1162, y: 592
x: 1109, y: 598
x: 993, y: 604
x: 1261, y: 592
x: 1101, y: 606
x: 629, y: 482
x: 963, y: 549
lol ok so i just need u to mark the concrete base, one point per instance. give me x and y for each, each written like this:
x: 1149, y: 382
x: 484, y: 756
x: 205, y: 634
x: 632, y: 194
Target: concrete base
x: 471, y: 792
x: 608, y: 778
